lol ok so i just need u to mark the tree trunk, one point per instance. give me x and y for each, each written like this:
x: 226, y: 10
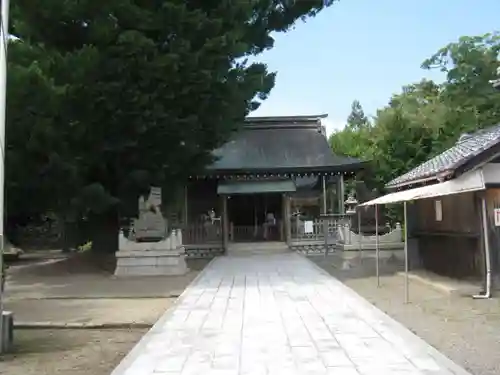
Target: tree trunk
x: 72, y: 235
x: 104, y: 230
x: 65, y: 237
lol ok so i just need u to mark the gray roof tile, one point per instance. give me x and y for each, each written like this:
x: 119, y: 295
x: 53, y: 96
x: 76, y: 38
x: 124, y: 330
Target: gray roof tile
x: 273, y: 145
x: 465, y: 149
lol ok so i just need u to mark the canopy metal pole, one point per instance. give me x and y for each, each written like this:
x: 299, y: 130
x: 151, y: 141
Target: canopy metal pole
x: 377, y: 254
x: 406, y: 255
x: 325, y: 220
x: 486, y: 244
x: 4, y: 37
x: 360, y: 247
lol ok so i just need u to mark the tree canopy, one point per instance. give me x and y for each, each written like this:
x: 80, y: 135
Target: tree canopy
x: 107, y: 98
x: 353, y: 140
x: 426, y: 118
x: 357, y: 118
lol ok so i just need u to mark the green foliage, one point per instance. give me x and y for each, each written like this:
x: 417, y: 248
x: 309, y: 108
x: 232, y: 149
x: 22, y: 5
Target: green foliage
x: 357, y: 119
x: 354, y: 139
x: 469, y: 65
x: 427, y: 118
x: 107, y: 98
x: 37, y: 173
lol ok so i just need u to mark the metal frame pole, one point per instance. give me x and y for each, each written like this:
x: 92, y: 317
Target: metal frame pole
x: 377, y: 252
x: 4, y: 37
x: 486, y: 247
x: 407, y: 293
x: 325, y: 220
x: 360, y: 246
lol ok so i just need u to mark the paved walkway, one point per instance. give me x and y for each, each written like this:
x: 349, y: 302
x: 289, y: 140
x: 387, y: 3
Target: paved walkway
x: 278, y: 314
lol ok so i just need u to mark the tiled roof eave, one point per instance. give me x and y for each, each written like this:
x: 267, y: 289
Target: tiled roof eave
x: 462, y: 155
x: 422, y: 180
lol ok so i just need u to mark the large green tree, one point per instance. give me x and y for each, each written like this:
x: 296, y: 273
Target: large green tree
x: 138, y: 93
x: 37, y: 174
x: 357, y: 118
x: 469, y: 64
x: 354, y: 139
x: 409, y: 130
x: 426, y: 118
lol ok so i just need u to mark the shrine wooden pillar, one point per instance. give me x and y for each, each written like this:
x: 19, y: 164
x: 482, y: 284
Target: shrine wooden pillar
x: 323, y: 181
x: 225, y: 223
x: 341, y: 193
x: 287, y: 218
x: 185, y: 219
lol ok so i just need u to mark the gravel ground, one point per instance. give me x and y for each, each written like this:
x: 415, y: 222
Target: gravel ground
x: 95, y: 311
x: 77, y: 290
x: 64, y: 278
x: 78, y: 352
x: 465, y: 330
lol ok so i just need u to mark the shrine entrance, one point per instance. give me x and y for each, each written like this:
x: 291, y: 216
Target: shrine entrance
x: 256, y: 217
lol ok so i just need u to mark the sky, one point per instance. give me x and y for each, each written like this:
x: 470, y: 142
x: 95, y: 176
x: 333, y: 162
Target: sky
x: 365, y: 50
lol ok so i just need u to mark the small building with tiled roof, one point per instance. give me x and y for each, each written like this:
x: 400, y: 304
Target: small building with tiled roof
x: 469, y: 151
x: 269, y: 169
x: 453, y: 209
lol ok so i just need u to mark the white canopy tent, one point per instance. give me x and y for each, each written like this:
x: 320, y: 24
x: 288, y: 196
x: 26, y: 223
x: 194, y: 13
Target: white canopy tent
x: 470, y: 181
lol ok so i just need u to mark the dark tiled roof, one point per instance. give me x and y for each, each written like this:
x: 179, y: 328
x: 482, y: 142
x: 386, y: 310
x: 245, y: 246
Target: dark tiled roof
x: 465, y: 149
x: 286, y: 143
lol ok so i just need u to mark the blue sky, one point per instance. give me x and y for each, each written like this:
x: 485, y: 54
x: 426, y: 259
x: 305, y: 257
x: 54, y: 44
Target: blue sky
x: 365, y: 50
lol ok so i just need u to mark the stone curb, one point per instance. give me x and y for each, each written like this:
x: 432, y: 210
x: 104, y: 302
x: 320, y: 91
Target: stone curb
x: 140, y: 347
x: 76, y: 325
x: 436, y: 284
x: 91, y: 297
x: 399, y: 328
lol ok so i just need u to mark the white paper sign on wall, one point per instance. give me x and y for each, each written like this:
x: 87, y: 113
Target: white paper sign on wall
x: 438, y: 205
x: 308, y: 227
x: 496, y: 215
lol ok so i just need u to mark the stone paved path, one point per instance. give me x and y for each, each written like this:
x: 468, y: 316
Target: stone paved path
x: 278, y: 314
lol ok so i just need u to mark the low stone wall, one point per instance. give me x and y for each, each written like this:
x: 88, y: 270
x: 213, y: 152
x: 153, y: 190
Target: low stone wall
x: 348, y: 252
x: 347, y: 241
x: 348, y: 237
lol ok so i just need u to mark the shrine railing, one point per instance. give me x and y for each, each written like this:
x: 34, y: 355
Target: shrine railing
x: 315, y: 229
x: 202, y: 233
x: 339, y: 231
x: 242, y: 233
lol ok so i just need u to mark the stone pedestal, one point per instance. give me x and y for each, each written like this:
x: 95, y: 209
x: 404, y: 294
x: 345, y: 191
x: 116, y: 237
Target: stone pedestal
x: 150, y: 250
x: 165, y: 257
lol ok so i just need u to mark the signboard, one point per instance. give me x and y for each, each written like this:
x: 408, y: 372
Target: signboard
x: 155, y: 196
x: 496, y: 215
x: 308, y: 227
x: 439, y: 210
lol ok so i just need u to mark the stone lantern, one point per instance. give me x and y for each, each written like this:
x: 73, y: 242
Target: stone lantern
x: 351, y: 203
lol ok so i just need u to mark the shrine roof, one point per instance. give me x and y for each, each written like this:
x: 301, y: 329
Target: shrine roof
x: 291, y: 144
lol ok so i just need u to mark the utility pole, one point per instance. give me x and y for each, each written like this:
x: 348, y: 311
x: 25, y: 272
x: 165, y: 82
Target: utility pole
x: 4, y: 38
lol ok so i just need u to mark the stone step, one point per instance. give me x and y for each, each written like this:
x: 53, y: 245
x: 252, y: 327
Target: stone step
x: 258, y: 248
